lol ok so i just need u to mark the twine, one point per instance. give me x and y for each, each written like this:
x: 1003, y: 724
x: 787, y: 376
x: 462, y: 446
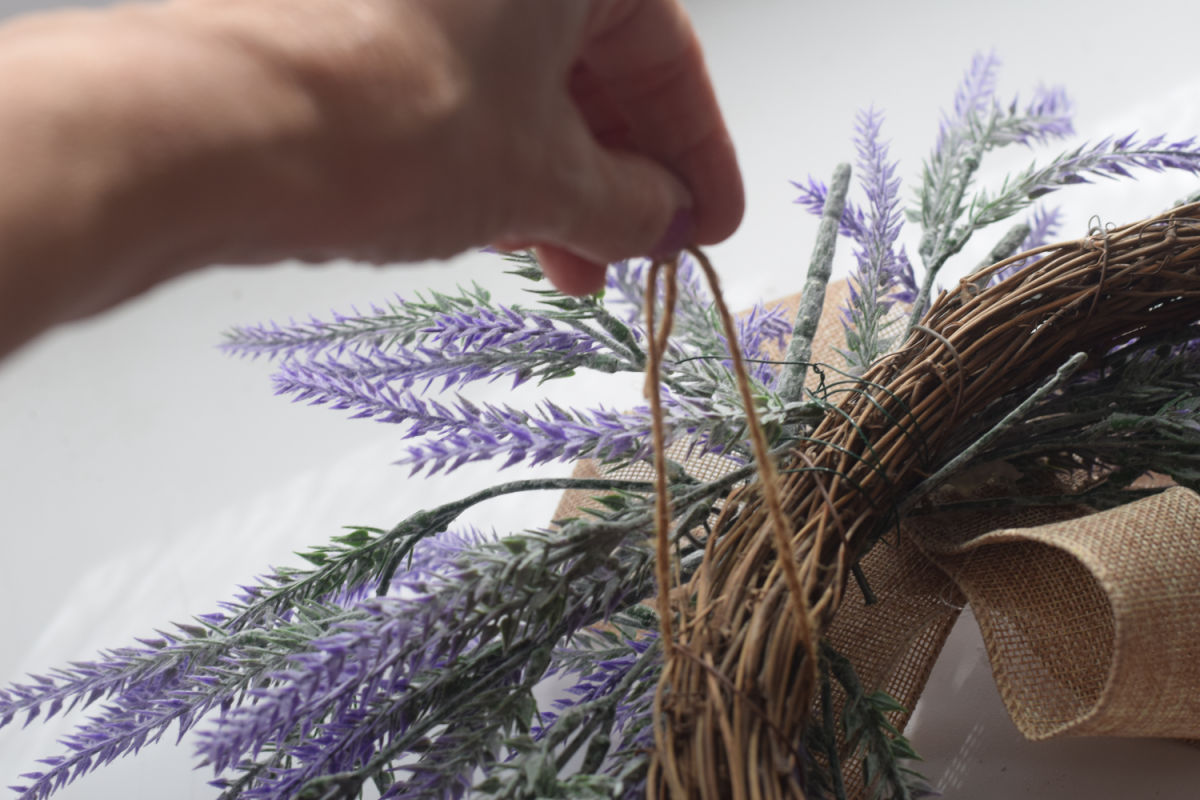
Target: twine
x: 765, y: 466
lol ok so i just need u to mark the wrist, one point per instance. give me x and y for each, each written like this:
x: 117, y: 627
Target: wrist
x: 381, y: 92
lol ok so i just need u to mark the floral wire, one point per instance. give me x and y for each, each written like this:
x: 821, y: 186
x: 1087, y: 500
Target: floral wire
x: 861, y: 384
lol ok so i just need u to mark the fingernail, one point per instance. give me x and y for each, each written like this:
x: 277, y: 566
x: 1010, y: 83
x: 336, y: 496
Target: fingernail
x: 679, y: 235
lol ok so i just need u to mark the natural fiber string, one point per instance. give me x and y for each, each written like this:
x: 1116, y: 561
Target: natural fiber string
x: 662, y: 511
x: 657, y: 345
x: 767, y: 474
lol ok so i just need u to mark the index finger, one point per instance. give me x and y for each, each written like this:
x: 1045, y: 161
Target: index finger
x: 646, y: 56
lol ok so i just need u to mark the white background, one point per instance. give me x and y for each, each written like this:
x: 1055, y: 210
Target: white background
x: 143, y: 473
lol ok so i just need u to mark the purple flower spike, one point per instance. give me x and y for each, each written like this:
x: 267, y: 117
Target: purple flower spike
x: 884, y: 274
x: 974, y: 96
x: 812, y: 199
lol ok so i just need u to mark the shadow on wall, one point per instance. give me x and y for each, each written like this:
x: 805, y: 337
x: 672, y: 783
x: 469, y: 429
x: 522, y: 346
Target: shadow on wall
x: 972, y: 749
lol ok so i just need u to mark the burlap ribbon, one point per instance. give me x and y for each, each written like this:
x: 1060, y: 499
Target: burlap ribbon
x: 1091, y: 620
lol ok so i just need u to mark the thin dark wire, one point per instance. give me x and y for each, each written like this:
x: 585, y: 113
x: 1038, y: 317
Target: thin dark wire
x: 856, y: 381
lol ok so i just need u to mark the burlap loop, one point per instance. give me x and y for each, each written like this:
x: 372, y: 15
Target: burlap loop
x: 1092, y: 624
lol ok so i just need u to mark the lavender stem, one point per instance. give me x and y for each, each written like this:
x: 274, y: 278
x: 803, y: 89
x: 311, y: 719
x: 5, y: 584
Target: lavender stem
x: 812, y: 301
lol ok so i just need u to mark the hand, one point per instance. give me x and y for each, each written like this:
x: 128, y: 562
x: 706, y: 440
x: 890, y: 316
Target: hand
x: 586, y: 128
x: 142, y: 141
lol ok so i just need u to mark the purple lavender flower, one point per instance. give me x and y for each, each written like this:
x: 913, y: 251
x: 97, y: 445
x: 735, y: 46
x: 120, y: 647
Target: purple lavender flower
x: 812, y: 199
x: 760, y: 332
x: 876, y: 256
x: 698, y: 330
x: 461, y: 348
x: 486, y: 432
x: 979, y: 118
x: 880, y: 266
x: 976, y: 94
x: 179, y: 678
x: 400, y: 321
x: 1046, y: 117
x: 1044, y: 225
x: 483, y: 329
x: 605, y: 677
x: 365, y: 690
x: 477, y: 432
x: 1112, y: 158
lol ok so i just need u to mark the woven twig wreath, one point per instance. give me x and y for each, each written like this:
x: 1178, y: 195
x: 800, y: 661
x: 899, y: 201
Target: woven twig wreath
x: 739, y: 682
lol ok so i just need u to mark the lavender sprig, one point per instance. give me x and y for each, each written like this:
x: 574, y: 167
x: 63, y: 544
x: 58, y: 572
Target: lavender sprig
x: 373, y: 669
x: 397, y: 322
x: 194, y: 674
x: 760, y: 332
x: 1044, y: 226
x: 813, y: 194
x: 696, y: 326
x: 455, y: 347
x: 1111, y: 157
x: 490, y: 432
x: 979, y: 124
x: 503, y: 608
x: 609, y: 709
x: 879, y: 264
x: 1140, y: 411
x: 178, y: 678
x: 555, y: 354
x: 215, y: 663
x: 464, y: 431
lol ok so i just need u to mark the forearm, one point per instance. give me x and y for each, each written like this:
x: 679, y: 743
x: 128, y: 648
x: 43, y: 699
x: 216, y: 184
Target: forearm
x: 140, y: 142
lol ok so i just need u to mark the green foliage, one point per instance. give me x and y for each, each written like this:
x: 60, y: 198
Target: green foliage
x: 871, y: 737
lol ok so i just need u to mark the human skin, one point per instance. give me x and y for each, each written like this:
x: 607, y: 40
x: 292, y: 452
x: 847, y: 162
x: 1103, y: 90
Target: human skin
x: 143, y: 141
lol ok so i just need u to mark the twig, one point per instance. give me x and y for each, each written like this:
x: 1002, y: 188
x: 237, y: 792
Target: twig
x: 812, y: 301
x: 979, y: 445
